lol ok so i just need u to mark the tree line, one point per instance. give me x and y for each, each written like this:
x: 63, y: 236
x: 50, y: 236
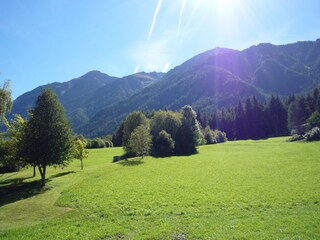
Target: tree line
x: 254, y: 119
x: 164, y: 133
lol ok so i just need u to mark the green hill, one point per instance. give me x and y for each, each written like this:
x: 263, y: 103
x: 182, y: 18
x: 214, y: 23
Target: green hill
x: 266, y: 189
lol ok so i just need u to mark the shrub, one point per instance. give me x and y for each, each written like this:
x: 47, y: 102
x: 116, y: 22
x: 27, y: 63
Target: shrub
x: 96, y: 143
x: 221, y: 137
x: 209, y: 136
x: 163, y: 144
x: 295, y: 137
x: 313, y: 134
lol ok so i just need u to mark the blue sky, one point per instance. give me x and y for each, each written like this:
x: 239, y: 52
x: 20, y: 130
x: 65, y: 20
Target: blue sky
x: 44, y: 41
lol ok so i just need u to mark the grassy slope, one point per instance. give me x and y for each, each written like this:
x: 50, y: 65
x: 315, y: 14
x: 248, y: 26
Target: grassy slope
x: 246, y: 189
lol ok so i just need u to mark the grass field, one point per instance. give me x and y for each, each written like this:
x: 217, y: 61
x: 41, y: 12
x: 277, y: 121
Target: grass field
x: 267, y: 189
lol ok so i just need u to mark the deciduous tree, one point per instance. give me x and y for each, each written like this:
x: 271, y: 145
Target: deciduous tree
x: 47, y: 138
x: 140, y: 141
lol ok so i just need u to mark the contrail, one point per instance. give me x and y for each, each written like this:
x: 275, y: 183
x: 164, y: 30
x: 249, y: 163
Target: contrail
x: 181, y: 13
x: 137, y: 68
x: 154, y: 19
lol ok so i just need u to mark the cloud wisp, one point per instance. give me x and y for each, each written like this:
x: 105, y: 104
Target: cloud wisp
x: 180, y: 17
x: 154, y: 19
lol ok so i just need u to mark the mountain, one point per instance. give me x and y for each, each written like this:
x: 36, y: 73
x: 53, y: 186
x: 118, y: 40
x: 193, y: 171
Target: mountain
x: 97, y: 103
x: 84, y: 96
x: 221, y: 77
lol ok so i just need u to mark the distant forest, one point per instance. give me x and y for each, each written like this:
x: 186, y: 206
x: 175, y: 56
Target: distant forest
x: 253, y: 119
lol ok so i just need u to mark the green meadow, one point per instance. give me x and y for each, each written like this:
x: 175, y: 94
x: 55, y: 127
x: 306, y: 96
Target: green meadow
x: 267, y: 189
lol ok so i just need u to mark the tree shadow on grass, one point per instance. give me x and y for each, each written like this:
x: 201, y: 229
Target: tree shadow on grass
x: 61, y: 174
x: 131, y: 162
x: 13, y: 181
x: 14, y: 189
x: 19, y: 190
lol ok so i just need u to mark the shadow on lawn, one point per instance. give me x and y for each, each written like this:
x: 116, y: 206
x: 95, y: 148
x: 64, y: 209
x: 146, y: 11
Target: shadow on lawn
x: 14, y: 189
x: 132, y: 162
x: 19, y: 190
x: 61, y: 174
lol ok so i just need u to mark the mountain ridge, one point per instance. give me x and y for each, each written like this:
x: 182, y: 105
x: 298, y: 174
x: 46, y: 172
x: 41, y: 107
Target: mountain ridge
x: 216, y: 78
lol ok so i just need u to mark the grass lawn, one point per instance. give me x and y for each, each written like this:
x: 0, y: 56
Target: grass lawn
x: 267, y: 189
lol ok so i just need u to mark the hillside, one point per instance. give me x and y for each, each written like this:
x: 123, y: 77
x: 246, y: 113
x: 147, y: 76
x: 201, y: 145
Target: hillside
x: 221, y: 77
x: 84, y: 96
x: 97, y: 103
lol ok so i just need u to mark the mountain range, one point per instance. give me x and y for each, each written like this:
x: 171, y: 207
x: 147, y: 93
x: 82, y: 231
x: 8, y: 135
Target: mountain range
x: 97, y: 103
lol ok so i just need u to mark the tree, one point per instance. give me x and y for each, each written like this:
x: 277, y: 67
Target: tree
x: 277, y: 117
x: 47, y: 139
x: 10, y: 155
x: 80, y: 151
x: 163, y: 144
x: 132, y: 121
x: 189, y: 134
x: 140, y: 141
x: 165, y: 120
x: 209, y: 135
x: 5, y: 99
x: 314, y: 120
x: 297, y: 114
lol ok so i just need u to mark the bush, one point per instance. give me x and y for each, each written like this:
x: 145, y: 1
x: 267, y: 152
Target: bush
x: 213, y: 137
x: 96, y: 143
x: 221, y: 137
x: 295, y: 137
x: 313, y: 134
x: 209, y: 136
x: 163, y: 144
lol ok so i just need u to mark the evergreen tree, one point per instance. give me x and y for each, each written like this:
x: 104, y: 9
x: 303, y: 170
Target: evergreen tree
x: 47, y: 138
x: 277, y: 117
x: 189, y: 134
x: 240, y: 128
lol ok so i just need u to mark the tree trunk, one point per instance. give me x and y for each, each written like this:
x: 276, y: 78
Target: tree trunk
x: 34, y: 170
x: 81, y: 164
x: 42, y: 171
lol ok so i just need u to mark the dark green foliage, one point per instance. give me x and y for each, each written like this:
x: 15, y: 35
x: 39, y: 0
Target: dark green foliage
x: 10, y: 157
x: 213, y: 137
x: 209, y: 136
x: 313, y: 134
x: 132, y: 121
x: 96, y: 143
x: 220, y: 136
x: 165, y: 120
x: 47, y: 138
x: 276, y: 118
x: 163, y: 144
x: 297, y: 113
x: 118, y: 135
x: 189, y: 134
x: 314, y: 120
